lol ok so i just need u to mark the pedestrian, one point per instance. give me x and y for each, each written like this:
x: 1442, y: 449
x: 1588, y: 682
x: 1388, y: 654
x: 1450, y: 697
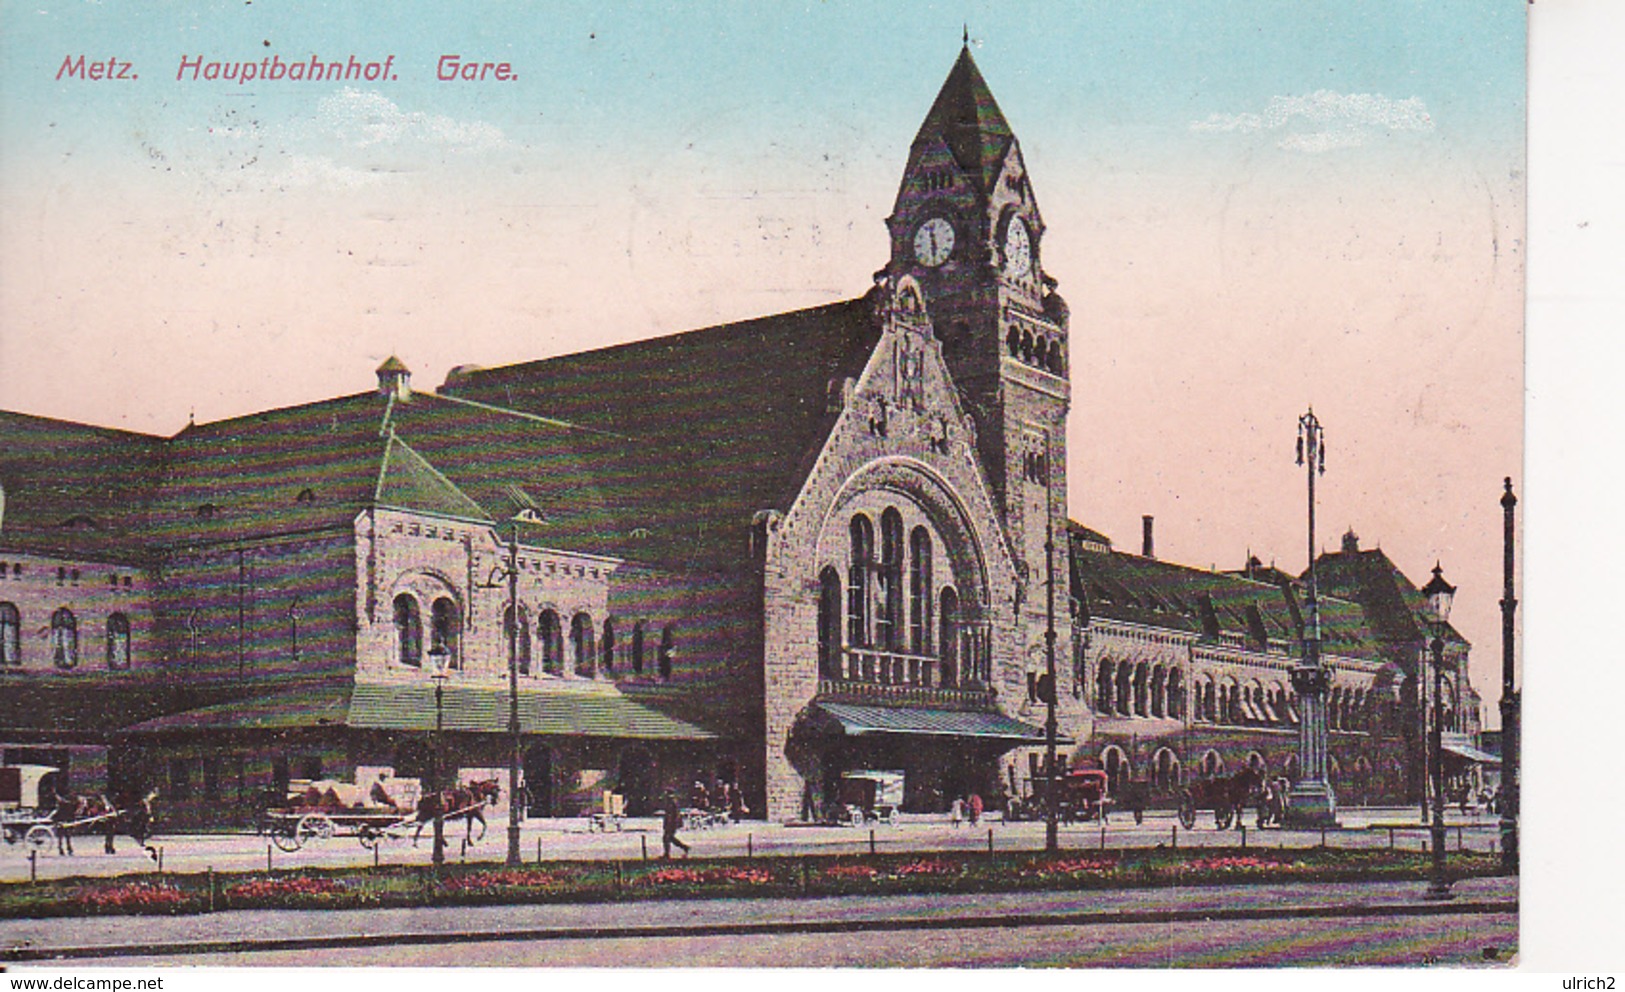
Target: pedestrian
x: 956, y: 811
x: 671, y: 818
x: 975, y: 808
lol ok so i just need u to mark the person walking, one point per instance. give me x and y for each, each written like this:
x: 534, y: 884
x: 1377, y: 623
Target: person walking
x: 671, y: 818
x: 956, y: 812
x: 975, y: 808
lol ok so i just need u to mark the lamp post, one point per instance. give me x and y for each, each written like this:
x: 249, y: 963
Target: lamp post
x: 509, y: 573
x: 1311, y: 802
x: 1052, y: 842
x: 1510, y: 711
x: 1439, y: 595
x: 441, y: 659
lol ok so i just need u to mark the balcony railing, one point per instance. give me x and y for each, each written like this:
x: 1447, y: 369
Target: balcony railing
x: 893, y: 678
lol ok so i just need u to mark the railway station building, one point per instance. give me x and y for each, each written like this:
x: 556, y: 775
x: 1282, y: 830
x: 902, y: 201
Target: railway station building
x: 764, y: 553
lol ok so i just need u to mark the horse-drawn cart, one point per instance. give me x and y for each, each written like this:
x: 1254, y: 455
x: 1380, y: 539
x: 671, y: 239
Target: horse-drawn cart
x: 327, y: 809
x: 1225, y: 795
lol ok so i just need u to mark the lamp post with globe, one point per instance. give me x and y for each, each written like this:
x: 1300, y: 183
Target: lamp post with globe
x: 1440, y: 594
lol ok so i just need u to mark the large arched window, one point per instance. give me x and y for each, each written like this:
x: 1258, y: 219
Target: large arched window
x: 667, y: 648
x: 919, y: 591
x: 549, y: 632
x: 1176, y: 694
x: 857, y: 581
x: 1142, y: 676
x: 445, y: 633
x: 11, y: 635
x: 889, y: 596
x: 1164, y: 770
x: 829, y: 624
x: 118, y: 642
x: 637, y: 648
x: 1118, y: 769
x: 408, y: 631
x: 1125, y: 689
x: 581, y: 644
x: 519, y: 637
x: 1103, y: 687
x: 948, y: 635
x: 64, y: 638
x: 606, y: 647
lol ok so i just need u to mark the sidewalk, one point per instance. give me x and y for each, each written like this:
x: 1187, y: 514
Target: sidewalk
x: 232, y: 932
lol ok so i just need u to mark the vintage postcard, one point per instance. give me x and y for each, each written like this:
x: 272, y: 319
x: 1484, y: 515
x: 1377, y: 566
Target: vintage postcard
x: 844, y: 485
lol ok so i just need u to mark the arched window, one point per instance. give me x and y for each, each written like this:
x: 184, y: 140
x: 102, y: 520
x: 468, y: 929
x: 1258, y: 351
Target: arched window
x: 551, y: 634
x: 1176, y: 694
x: 11, y: 635
x: 948, y: 635
x: 889, y: 596
x: 919, y: 591
x: 1125, y: 689
x: 118, y: 642
x: 1334, y: 701
x: 857, y: 582
x: 519, y: 637
x: 1103, y: 687
x: 606, y: 646
x: 64, y: 638
x: 1118, y: 770
x: 1212, y: 764
x: 408, y: 631
x: 637, y: 648
x: 1164, y: 770
x: 1159, y: 690
x: 829, y: 624
x: 1141, y: 690
x: 667, y: 637
x: 445, y: 631
x: 581, y: 644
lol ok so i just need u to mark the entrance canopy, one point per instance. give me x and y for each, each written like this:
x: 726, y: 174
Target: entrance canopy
x: 856, y: 720
x: 1471, y: 753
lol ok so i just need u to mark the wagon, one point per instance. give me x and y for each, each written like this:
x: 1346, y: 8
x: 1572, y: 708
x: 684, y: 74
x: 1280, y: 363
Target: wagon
x: 1225, y: 795
x: 1080, y: 795
x: 868, y: 797
x: 28, y: 804
x: 293, y: 828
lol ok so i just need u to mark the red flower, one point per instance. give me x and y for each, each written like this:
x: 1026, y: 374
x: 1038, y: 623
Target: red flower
x: 926, y: 866
x: 501, y: 879
x: 132, y: 895
x: 274, y: 888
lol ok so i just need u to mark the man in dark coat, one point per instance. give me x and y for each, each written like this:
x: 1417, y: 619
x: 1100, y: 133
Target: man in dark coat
x: 670, y: 819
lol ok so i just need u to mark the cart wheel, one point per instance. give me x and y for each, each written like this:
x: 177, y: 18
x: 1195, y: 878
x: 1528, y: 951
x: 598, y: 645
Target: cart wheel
x: 1187, y: 812
x: 1221, y: 816
x: 40, y: 837
x: 369, y: 836
x: 286, y: 837
x: 313, y: 826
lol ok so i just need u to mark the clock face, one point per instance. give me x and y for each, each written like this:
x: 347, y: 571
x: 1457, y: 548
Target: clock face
x: 1018, y: 248
x: 934, y: 242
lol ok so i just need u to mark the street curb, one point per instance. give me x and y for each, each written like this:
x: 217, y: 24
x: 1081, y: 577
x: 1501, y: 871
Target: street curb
x: 239, y: 946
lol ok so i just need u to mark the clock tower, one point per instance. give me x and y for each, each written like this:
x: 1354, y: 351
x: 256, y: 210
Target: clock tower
x: 966, y: 227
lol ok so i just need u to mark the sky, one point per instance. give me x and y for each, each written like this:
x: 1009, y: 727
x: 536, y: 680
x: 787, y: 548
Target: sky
x: 1251, y: 208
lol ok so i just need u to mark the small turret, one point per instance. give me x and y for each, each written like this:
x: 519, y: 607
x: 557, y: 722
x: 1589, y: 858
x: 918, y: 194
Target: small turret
x: 395, y: 379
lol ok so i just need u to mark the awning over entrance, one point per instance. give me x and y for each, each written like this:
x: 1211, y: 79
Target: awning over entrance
x: 1471, y: 753
x: 857, y: 720
x: 411, y: 707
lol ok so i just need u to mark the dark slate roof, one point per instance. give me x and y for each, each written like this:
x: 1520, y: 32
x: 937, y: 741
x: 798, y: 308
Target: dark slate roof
x: 968, y: 120
x: 1392, y: 604
x: 408, y: 482
x: 698, y: 431
x: 248, y: 476
x: 75, y: 490
x: 1156, y: 593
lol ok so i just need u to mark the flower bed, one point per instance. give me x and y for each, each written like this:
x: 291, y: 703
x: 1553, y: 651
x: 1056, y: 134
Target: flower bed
x: 812, y: 876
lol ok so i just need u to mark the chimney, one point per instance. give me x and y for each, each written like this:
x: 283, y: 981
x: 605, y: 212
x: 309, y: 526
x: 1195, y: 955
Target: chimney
x: 1351, y: 542
x: 1147, y: 547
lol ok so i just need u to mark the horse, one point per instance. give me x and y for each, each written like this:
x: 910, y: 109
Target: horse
x: 133, y: 816
x: 1226, y: 795
x: 464, y: 802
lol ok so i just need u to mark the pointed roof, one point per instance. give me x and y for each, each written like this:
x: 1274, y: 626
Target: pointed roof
x: 968, y: 120
x: 407, y: 481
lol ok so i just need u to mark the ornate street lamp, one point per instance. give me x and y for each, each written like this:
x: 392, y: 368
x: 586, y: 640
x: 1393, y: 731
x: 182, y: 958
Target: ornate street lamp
x: 1311, y: 802
x: 1510, y: 716
x: 1440, y: 594
x: 1052, y: 842
x: 441, y: 659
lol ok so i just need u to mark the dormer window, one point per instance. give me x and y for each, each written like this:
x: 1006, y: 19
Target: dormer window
x: 306, y: 495
x: 79, y: 522
x: 207, y: 511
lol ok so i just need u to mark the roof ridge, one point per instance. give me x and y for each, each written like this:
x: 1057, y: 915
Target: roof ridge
x: 533, y: 417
